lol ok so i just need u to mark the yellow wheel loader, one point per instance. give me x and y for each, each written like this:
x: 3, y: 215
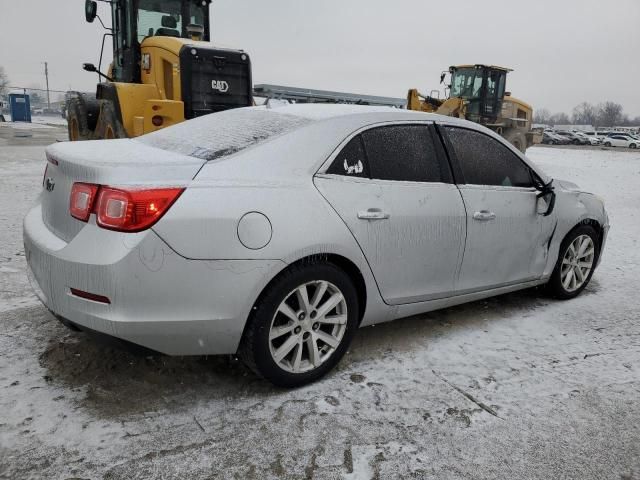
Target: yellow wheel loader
x: 163, y: 71
x: 477, y: 93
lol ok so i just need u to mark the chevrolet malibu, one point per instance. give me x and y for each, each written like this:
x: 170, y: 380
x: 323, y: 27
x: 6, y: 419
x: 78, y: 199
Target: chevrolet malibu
x: 276, y: 233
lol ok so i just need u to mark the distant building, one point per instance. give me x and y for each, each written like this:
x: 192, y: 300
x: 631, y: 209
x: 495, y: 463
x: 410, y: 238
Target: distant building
x: 577, y: 128
x: 540, y: 126
x: 627, y: 129
x: 619, y: 129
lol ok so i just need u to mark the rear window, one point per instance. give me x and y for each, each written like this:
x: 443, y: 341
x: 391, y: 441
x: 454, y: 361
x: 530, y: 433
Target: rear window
x: 224, y: 133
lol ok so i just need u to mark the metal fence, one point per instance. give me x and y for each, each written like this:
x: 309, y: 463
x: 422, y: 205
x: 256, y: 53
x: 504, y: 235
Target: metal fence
x: 44, y: 103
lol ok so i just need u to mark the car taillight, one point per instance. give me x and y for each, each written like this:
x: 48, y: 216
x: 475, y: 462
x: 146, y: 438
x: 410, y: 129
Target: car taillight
x: 82, y: 199
x: 44, y: 176
x: 133, y: 210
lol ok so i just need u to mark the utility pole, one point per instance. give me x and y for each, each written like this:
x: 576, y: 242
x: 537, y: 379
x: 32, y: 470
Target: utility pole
x: 46, y: 75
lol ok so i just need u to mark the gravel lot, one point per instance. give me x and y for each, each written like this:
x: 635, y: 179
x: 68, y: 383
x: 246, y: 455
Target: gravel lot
x: 519, y: 386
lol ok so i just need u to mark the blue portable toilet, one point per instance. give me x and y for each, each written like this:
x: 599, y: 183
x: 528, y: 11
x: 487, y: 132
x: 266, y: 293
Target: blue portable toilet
x: 20, y: 107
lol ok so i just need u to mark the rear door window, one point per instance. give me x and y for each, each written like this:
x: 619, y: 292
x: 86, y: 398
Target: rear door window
x: 486, y: 161
x: 402, y: 152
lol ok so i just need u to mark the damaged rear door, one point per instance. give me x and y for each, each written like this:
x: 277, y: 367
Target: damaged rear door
x: 392, y: 187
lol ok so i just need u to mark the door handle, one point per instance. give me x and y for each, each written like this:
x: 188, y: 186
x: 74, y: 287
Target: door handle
x: 484, y: 215
x: 373, y: 214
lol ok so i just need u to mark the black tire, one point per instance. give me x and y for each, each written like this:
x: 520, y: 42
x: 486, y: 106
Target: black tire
x: 607, y: 144
x: 255, y: 345
x: 109, y: 124
x: 555, y: 286
x: 517, y: 139
x: 77, y: 120
x: 82, y: 116
x: 576, y: 142
x: 633, y: 146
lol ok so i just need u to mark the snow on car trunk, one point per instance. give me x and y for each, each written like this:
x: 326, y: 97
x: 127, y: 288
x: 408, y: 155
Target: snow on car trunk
x: 105, y: 162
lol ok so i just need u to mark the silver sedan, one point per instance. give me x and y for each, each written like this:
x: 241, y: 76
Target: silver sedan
x: 276, y: 233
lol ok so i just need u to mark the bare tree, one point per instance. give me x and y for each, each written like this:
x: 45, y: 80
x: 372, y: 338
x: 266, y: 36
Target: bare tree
x: 585, y: 114
x: 4, y: 81
x: 610, y: 114
x: 542, y: 116
x: 560, y: 119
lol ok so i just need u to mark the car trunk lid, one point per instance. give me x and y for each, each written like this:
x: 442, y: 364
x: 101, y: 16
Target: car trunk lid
x: 107, y: 162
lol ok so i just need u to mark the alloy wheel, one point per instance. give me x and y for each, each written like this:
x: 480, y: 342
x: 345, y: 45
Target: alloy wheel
x: 577, y: 263
x: 308, y: 326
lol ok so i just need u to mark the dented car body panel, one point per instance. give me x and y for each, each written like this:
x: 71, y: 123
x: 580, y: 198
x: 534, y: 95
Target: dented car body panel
x: 255, y: 203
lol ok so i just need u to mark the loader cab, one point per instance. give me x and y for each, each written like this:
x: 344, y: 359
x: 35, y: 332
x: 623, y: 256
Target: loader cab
x: 482, y: 87
x: 135, y: 20
x: 164, y: 71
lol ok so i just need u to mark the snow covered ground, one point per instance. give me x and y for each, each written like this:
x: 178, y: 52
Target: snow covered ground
x: 560, y: 380
x: 42, y: 120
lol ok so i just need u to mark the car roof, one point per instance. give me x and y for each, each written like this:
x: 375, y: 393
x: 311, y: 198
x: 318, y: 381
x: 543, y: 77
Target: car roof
x: 317, y: 111
x: 324, y: 130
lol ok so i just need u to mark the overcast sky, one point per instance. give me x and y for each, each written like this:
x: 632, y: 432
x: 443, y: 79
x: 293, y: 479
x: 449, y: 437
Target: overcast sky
x: 563, y: 51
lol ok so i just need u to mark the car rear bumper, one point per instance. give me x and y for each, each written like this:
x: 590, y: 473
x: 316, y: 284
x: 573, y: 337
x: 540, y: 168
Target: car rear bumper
x: 158, y: 299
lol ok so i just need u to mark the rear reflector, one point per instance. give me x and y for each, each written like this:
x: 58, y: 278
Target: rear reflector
x: 81, y: 201
x: 90, y: 296
x: 131, y: 210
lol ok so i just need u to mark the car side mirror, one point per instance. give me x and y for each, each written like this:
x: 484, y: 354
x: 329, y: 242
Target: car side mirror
x: 546, y: 199
x: 89, y: 67
x: 90, y: 10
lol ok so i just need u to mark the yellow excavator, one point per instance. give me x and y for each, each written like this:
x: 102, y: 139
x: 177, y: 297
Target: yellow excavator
x: 163, y: 71
x: 477, y: 93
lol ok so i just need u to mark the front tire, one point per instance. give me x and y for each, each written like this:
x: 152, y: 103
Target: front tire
x: 517, y: 139
x: 576, y: 263
x: 607, y: 144
x: 82, y: 116
x: 109, y: 124
x: 77, y: 120
x: 302, y: 325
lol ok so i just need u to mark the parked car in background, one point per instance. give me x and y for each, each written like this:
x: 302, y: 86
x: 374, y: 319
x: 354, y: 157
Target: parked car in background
x: 551, y: 138
x: 574, y: 138
x: 589, y: 139
x: 621, y: 140
x: 283, y: 231
x: 593, y: 137
x: 580, y: 134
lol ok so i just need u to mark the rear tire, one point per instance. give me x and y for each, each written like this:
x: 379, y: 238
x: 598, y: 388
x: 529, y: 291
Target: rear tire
x: 633, y: 146
x: 290, y: 344
x: 576, y: 263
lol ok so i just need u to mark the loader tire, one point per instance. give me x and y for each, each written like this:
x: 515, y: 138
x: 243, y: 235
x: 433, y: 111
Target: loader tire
x: 517, y: 139
x: 77, y: 120
x: 109, y: 124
